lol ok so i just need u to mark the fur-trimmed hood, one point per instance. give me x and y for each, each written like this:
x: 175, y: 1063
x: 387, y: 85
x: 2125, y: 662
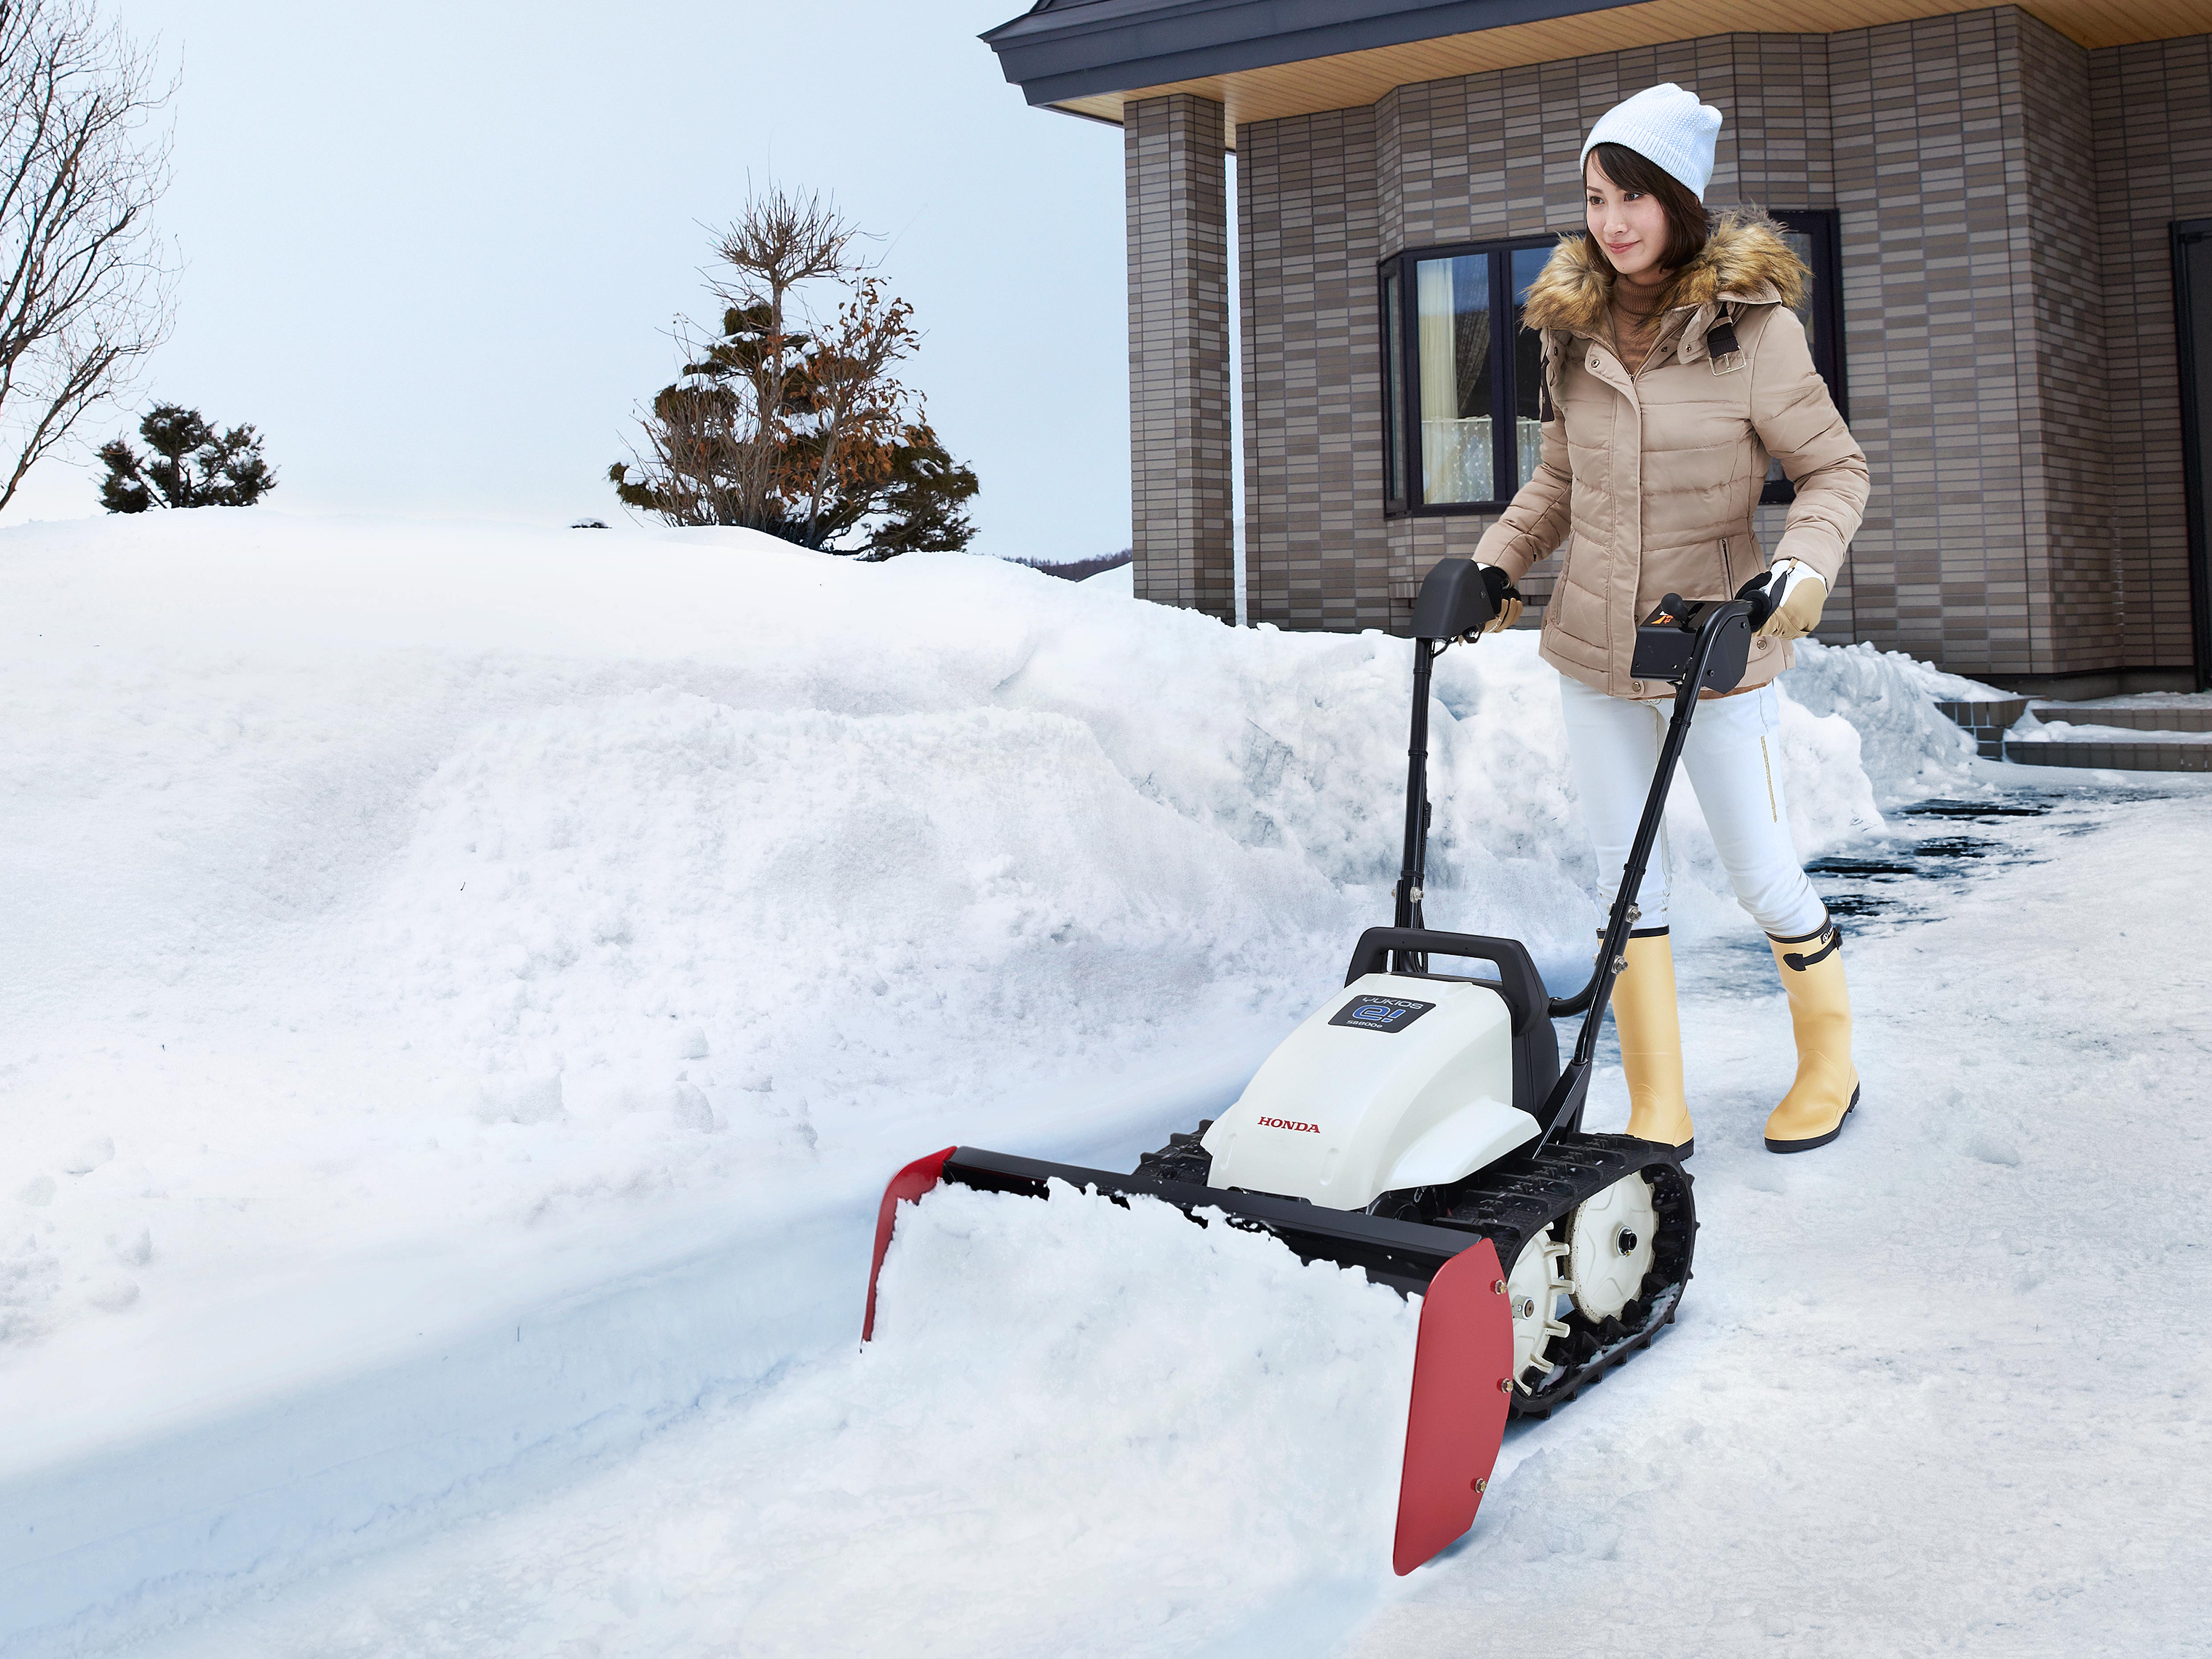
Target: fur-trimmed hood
x: 1745, y: 260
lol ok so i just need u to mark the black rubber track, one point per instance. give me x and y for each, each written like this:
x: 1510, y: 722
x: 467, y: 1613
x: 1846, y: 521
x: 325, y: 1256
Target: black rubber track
x: 1509, y: 1204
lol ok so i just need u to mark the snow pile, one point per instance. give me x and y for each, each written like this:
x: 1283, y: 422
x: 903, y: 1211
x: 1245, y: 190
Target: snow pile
x: 486, y: 899
x: 1910, y: 749
x: 1103, y: 1435
x: 365, y: 878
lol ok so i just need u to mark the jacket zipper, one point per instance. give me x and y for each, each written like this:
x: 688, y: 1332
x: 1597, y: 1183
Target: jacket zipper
x: 1659, y: 337
x: 1728, y: 571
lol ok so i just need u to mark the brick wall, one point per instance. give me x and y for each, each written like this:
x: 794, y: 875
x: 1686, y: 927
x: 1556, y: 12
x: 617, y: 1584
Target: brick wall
x: 1314, y: 540
x: 2075, y: 618
x: 1976, y: 274
x: 1179, y: 462
x: 2152, y: 108
x: 1918, y: 116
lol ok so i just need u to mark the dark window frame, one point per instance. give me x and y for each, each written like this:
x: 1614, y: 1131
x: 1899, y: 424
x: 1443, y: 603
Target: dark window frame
x: 1402, y: 493
x: 1391, y: 292
x: 1402, y: 370
x: 1824, y: 226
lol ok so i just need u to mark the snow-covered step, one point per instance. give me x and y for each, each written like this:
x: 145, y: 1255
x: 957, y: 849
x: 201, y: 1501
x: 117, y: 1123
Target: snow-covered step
x: 1987, y: 719
x: 2167, y: 736
x: 2194, y: 719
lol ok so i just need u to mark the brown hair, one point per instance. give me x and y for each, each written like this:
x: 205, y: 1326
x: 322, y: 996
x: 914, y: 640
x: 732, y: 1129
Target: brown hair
x: 1688, y: 224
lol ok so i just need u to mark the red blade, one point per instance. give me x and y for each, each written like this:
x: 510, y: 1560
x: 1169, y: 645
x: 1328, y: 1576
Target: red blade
x: 909, y: 1183
x: 1462, y: 1366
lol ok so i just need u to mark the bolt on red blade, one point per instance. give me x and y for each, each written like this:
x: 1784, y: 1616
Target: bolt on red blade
x: 1455, y: 1419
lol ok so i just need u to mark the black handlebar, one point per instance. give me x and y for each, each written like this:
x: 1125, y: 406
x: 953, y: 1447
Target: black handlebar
x: 1695, y: 646
x: 1518, y: 982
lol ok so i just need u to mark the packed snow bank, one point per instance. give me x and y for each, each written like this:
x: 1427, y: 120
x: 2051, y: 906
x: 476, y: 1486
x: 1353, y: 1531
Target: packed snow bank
x: 1053, y: 1451
x: 1121, y: 579
x: 364, y: 876
x: 1909, y: 748
x: 555, y: 912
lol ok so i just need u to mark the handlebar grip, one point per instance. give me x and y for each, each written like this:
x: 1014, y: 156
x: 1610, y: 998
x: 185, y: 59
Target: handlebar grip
x: 1518, y: 982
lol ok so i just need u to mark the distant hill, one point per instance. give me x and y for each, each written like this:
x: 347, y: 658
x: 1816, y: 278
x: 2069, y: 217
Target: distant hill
x: 1076, y: 571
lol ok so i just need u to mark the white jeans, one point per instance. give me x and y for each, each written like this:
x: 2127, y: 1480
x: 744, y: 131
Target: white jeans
x: 1734, y: 757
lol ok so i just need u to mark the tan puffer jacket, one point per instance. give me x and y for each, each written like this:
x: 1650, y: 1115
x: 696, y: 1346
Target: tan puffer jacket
x: 1657, y: 475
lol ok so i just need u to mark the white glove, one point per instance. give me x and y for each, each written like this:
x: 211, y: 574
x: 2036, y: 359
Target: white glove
x: 1797, y: 593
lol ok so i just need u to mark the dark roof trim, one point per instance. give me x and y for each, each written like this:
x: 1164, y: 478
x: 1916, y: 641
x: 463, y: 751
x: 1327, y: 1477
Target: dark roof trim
x: 1071, y: 48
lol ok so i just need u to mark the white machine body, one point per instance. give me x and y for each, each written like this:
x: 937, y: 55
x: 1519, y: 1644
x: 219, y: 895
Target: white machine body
x: 1396, y: 1082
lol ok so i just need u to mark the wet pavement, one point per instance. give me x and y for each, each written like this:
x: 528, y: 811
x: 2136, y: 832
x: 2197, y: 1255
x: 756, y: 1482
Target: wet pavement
x: 1913, y: 871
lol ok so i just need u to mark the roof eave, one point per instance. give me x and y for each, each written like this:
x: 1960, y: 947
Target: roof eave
x: 1070, y: 57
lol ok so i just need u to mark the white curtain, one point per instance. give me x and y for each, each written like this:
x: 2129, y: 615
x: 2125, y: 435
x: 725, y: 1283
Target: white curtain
x: 1456, y: 455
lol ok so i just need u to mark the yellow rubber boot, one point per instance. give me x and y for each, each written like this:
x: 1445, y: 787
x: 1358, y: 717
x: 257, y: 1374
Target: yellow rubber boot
x: 1827, y: 1087
x: 1650, y: 1034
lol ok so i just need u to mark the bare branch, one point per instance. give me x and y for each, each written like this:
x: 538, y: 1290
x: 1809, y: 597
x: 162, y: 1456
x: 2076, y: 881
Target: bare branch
x: 86, y: 284
x: 793, y: 422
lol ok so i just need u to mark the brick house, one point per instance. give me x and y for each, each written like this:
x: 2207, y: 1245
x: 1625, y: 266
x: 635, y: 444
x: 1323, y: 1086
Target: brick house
x: 2008, y: 213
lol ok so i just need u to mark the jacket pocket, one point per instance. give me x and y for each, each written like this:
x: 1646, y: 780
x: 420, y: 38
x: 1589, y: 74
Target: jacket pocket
x: 1728, y: 583
x: 1580, y: 613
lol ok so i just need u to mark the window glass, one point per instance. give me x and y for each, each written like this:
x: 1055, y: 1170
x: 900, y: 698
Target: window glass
x: 1451, y: 300
x: 1393, y: 395
x: 1527, y: 367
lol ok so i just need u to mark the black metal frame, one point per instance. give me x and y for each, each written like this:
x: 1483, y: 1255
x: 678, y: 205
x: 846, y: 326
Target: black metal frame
x: 1718, y: 645
x: 1390, y: 285
x: 2182, y: 235
x: 1402, y: 493
x: 1403, y: 1255
x: 1825, y: 227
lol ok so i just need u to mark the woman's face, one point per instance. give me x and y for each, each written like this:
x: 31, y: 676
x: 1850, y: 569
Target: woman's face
x: 1629, y: 226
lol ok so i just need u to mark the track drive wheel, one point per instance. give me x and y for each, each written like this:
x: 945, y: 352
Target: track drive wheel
x: 1610, y: 1236
x: 1533, y: 1291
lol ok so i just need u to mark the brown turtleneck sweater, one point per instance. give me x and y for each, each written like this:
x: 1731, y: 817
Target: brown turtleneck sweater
x: 1634, y: 331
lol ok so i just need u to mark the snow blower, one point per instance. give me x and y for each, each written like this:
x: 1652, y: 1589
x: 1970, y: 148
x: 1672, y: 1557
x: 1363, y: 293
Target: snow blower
x: 1418, y: 1126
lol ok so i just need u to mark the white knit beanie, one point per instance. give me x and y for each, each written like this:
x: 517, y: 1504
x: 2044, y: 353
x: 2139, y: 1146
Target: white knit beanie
x: 1667, y: 124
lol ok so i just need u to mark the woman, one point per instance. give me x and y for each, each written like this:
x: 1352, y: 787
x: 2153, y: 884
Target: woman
x: 1674, y: 368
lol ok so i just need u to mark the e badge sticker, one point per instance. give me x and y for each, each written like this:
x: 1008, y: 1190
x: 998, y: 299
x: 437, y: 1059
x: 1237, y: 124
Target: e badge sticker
x: 1383, y: 1014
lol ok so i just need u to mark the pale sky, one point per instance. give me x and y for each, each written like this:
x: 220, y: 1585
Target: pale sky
x: 433, y: 251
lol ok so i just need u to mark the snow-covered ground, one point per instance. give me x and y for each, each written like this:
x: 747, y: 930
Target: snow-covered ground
x: 470, y: 985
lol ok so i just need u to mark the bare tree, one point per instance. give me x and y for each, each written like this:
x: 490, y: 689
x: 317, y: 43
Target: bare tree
x: 782, y: 242
x: 858, y: 410
x: 86, y: 284
x: 792, y: 420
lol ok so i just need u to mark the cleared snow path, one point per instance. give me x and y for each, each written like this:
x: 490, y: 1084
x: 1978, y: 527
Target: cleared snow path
x: 1942, y: 1387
